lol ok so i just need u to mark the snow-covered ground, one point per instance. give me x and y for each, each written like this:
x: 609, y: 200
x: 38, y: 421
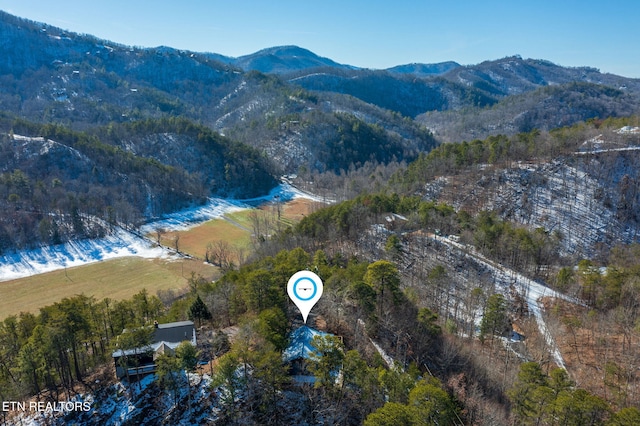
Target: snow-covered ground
x: 218, y: 207
x: 135, y: 403
x: 532, y: 291
x: 122, y: 243
x: 75, y: 253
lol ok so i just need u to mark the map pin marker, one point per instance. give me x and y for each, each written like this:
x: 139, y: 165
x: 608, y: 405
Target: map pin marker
x: 305, y: 289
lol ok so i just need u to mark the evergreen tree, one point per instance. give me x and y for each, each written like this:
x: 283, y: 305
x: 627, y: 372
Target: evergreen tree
x: 327, y: 360
x: 495, y: 320
x: 272, y: 375
x: 273, y: 326
x: 394, y: 414
x: 629, y: 416
x: 198, y: 310
x: 432, y: 402
x: 383, y: 276
x: 187, y: 356
x: 167, y: 374
x: 229, y: 381
x: 527, y: 392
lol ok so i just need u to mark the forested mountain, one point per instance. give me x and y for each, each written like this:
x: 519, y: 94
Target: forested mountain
x: 545, y: 108
x: 406, y: 94
x: 469, y: 277
x: 110, y: 104
x: 424, y: 70
x: 541, y: 227
x: 52, y: 75
x: 49, y: 75
x: 284, y: 59
x: 508, y: 95
x: 578, y: 183
x: 57, y: 184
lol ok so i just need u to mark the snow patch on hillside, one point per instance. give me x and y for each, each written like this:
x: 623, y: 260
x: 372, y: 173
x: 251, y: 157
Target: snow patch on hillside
x: 531, y: 290
x: 186, y: 219
x: 559, y: 197
x: 76, y: 253
x: 26, y: 147
x: 122, y: 243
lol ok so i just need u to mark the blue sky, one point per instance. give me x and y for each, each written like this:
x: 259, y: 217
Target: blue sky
x: 370, y: 34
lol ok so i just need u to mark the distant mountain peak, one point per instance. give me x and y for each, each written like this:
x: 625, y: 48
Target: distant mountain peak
x: 424, y: 70
x: 285, y: 59
x: 284, y: 50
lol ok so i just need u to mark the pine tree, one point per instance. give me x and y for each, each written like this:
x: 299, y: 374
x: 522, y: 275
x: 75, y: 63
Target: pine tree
x: 198, y: 310
x: 495, y: 319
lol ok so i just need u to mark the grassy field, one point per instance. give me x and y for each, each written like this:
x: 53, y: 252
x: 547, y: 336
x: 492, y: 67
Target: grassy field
x: 117, y: 279
x: 236, y: 228
x: 194, y: 241
x: 122, y: 278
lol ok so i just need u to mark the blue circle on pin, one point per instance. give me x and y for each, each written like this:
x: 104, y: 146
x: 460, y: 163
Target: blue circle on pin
x: 297, y: 288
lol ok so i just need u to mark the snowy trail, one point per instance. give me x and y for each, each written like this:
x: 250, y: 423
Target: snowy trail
x: 122, y: 243
x: 531, y: 290
x: 386, y: 357
x: 604, y: 150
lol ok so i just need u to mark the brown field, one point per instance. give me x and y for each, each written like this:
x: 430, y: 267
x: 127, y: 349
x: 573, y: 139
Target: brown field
x: 236, y: 227
x: 298, y: 208
x: 194, y: 241
x: 122, y: 278
x: 117, y: 279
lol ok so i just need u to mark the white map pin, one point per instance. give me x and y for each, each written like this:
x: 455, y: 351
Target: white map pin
x: 305, y: 289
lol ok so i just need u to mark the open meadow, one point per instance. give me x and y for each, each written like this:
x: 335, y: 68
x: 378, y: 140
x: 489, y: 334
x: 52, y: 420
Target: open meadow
x: 238, y: 228
x: 117, y: 279
x: 123, y: 277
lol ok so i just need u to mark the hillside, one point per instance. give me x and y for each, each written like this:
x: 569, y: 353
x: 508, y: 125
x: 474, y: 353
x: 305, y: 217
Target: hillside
x: 54, y: 76
x: 404, y: 93
x: 478, y: 241
x: 547, y: 222
x: 56, y: 184
x: 576, y: 183
x: 507, y: 95
x: 50, y: 75
x: 545, y: 108
x: 424, y: 70
x: 284, y: 59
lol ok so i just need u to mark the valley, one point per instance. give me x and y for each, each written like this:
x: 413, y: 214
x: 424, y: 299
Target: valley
x: 476, y: 228
x: 116, y: 279
x: 125, y: 263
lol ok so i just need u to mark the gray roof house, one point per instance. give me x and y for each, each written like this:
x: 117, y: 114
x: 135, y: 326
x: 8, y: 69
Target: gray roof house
x: 166, y: 338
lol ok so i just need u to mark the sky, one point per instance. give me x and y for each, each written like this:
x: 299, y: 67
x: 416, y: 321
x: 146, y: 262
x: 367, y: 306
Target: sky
x: 373, y: 34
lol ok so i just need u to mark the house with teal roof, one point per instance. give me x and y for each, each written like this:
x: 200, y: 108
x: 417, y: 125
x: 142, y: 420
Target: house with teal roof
x: 300, y: 352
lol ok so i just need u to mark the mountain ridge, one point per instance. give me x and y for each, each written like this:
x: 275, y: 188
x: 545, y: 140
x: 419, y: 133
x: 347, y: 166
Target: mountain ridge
x: 309, y: 113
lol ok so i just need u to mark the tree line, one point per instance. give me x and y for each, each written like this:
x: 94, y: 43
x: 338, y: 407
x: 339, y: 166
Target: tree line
x: 79, y: 184
x: 47, y: 353
x: 529, y: 251
x: 451, y: 158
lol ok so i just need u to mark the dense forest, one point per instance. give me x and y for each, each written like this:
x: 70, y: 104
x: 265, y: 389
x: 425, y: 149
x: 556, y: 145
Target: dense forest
x: 57, y: 184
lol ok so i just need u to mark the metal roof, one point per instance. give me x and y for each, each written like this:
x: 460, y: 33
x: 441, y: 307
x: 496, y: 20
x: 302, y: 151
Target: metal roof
x: 300, y: 343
